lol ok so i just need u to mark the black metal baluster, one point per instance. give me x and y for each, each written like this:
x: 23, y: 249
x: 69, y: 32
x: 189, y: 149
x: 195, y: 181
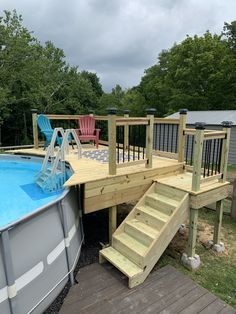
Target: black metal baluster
x: 172, y: 138
x: 118, y: 144
x: 221, y: 144
x: 129, y: 143
x: 209, y: 158
x: 159, y: 136
x: 123, y: 142
x: 168, y: 132
x: 186, y: 153
x: 205, y: 158
x: 139, y: 136
x: 133, y: 144
x: 217, y: 155
x: 176, y: 138
x: 191, y: 161
x: 213, y: 157
x: 163, y: 138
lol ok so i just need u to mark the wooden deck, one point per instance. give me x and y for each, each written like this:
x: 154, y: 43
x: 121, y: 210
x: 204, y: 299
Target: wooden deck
x: 89, y: 170
x: 102, y: 289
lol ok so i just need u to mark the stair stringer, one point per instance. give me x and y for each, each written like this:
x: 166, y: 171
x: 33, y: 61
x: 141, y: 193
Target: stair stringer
x: 160, y: 244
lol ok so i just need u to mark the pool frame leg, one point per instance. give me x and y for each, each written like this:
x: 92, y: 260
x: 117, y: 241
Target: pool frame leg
x: 9, y: 271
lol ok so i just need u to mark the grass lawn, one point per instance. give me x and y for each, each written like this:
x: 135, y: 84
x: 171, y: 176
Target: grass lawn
x: 218, y: 271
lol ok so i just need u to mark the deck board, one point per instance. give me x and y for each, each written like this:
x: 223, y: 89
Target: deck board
x: 102, y: 289
x: 89, y: 170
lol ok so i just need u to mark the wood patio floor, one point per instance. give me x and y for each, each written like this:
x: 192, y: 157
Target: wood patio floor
x: 102, y: 289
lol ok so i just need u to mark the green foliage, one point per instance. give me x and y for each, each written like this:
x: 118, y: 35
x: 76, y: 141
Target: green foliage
x: 36, y: 76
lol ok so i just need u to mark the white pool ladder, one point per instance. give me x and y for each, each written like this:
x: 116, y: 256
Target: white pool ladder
x: 52, y: 175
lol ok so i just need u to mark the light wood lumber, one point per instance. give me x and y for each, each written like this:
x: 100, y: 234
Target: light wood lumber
x: 197, y: 159
x: 224, y: 154
x: 218, y: 222
x: 112, y: 144
x: 131, y: 163
x: 192, y: 238
x: 112, y: 221
x: 35, y: 129
x: 149, y: 141
x: 181, y: 137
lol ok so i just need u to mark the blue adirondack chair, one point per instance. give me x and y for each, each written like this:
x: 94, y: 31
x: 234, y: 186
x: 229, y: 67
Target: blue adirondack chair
x: 47, y: 130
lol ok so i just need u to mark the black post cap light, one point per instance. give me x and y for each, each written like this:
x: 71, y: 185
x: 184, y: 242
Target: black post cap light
x: 126, y: 111
x: 150, y: 111
x: 34, y: 110
x: 111, y: 111
x: 200, y: 125
x: 226, y: 124
x: 183, y: 111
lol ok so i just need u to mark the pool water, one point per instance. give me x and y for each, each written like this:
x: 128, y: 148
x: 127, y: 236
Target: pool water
x: 19, y: 195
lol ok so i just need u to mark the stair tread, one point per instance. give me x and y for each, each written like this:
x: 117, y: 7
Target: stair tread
x: 131, y: 243
x: 165, y: 199
x: 121, y: 262
x: 142, y: 227
x: 154, y: 212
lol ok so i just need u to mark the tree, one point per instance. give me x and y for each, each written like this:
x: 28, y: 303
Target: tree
x: 198, y: 73
x: 36, y: 76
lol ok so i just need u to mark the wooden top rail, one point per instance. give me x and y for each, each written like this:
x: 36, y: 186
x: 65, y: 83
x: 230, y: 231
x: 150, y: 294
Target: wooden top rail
x: 189, y: 131
x: 214, y: 135
x: 208, y: 134
x: 132, y: 121
x: 166, y: 121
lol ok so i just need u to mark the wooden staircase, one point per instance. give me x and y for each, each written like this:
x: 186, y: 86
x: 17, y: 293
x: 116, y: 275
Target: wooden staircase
x: 143, y: 236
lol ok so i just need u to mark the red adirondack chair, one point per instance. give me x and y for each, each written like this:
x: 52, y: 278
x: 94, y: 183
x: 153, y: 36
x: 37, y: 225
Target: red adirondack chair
x: 87, y: 131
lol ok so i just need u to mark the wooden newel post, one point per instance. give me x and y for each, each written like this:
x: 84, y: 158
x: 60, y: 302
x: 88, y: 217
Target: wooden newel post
x: 126, y: 129
x: 233, y: 206
x: 197, y: 155
x: 149, y: 136
x: 181, y: 136
x: 225, y: 150
x: 112, y: 139
x: 35, y: 127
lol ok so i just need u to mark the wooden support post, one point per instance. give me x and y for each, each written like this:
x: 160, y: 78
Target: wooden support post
x: 126, y: 130
x: 149, y: 136
x: 218, y: 222
x: 233, y: 206
x: 225, y: 150
x: 35, y: 127
x: 112, y: 139
x: 112, y: 221
x: 181, y: 136
x: 197, y: 155
x: 192, y: 238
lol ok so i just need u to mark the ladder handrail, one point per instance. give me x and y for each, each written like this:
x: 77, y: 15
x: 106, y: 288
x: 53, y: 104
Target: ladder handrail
x: 50, y: 148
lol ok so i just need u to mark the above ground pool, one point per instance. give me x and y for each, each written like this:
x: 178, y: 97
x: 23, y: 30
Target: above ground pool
x: 19, y: 193
x: 40, y: 237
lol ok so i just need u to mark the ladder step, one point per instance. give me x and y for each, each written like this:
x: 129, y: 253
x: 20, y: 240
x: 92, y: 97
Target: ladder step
x: 127, y: 267
x: 140, y: 231
x: 129, y: 247
x: 151, y: 217
x: 161, y: 203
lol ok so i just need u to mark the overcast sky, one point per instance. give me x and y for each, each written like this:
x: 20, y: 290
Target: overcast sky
x: 118, y: 39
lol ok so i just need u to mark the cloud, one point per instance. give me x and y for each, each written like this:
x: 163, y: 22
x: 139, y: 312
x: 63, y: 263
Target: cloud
x: 119, y: 39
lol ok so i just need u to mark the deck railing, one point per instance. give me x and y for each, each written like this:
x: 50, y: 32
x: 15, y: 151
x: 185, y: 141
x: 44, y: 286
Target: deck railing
x: 206, y: 153
x: 130, y: 140
x: 166, y: 133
